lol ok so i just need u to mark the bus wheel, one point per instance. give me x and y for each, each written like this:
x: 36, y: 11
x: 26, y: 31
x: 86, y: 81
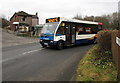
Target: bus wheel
x: 60, y: 45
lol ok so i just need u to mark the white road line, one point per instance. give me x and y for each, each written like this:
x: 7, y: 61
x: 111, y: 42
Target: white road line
x: 18, y: 44
x: 21, y: 55
x: 31, y: 51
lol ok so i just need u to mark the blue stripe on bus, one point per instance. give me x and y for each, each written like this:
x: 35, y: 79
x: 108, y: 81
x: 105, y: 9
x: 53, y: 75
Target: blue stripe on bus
x: 59, y: 34
x: 81, y: 41
x: 46, y: 38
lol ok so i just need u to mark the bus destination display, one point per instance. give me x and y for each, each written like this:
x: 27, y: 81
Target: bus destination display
x: 52, y: 20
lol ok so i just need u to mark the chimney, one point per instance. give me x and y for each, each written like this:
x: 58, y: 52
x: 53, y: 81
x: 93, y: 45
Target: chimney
x: 36, y: 14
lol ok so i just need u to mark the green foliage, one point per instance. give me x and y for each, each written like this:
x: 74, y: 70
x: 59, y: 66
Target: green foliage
x: 108, y: 52
x: 104, y: 20
x: 5, y: 22
x: 95, y: 68
x: 104, y: 41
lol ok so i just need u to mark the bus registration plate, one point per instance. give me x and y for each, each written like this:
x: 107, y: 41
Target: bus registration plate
x: 45, y: 43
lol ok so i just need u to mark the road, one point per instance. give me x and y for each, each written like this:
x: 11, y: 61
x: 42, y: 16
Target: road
x: 30, y: 62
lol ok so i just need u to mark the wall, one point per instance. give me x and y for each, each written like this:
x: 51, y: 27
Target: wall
x: 28, y: 20
x: 14, y: 19
x: 34, y: 21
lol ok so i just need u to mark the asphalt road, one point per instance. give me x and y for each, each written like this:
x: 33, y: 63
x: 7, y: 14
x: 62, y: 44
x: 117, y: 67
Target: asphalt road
x: 30, y: 62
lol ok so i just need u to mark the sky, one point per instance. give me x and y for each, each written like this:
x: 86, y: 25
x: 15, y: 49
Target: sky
x: 58, y: 8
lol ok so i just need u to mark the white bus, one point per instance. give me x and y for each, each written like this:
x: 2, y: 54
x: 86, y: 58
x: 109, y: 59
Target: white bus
x: 60, y: 32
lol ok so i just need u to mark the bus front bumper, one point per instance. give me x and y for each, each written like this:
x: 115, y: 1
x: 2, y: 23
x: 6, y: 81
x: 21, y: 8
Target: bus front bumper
x: 48, y: 42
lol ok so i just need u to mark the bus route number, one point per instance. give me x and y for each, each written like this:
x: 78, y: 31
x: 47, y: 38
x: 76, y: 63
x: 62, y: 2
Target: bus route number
x: 52, y: 20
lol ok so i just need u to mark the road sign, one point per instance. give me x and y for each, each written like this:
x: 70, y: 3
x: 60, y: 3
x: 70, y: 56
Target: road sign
x: 118, y: 41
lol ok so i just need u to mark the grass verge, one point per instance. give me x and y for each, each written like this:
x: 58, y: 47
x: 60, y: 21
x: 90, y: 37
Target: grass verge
x: 96, y: 68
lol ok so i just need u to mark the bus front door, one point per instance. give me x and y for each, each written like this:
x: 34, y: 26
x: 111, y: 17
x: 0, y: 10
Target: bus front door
x: 73, y: 37
x: 70, y: 34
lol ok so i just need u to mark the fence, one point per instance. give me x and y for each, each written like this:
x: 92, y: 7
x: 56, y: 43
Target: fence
x: 116, y: 49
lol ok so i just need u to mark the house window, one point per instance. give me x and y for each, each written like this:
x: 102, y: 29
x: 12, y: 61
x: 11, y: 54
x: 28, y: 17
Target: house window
x: 23, y: 19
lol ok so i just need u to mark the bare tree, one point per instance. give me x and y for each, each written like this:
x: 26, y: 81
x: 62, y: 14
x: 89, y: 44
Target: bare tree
x: 109, y: 21
x: 89, y: 18
x: 4, y: 21
x: 104, y: 20
x: 78, y: 17
x: 115, y: 21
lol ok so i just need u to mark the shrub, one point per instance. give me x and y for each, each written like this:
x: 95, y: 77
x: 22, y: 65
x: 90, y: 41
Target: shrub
x: 104, y: 42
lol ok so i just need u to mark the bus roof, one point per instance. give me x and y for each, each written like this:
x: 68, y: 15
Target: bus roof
x: 79, y: 21
x: 57, y: 19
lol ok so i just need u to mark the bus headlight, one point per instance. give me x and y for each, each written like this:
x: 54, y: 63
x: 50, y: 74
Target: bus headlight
x: 41, y: 40
x: 51, y: 41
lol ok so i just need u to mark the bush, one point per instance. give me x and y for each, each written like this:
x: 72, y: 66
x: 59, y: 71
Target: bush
x: 95, y: 68
x: 98, y: 64
x: 104, y: 40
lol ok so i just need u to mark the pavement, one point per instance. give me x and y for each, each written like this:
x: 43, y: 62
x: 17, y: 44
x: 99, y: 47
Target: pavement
x: 10, y: 39
x: 31, y: 62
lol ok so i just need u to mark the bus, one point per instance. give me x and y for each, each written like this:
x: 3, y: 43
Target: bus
x: 60, y: 32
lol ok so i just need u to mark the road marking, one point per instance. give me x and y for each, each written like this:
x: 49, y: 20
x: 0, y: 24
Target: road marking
x: 21, y: 55
x: 16, y: 44
x: 31, y: 51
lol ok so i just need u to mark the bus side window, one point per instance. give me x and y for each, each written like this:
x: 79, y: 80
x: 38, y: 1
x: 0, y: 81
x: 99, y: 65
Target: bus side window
x: 80, y: 30
x: 60, y: 31
x: 99, y: 27
x: 94, y: 29
x: 88, y: 30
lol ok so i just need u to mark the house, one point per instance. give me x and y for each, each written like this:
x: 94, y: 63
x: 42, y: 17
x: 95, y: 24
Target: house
x: 23, y: 22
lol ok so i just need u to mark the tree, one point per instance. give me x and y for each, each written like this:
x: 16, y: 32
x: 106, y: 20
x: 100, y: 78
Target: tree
x: 4, y: 22
x: 89, y: 18
x: 112, y: 19
x: 78, y: 17
x: 115, y: 21
x: 104, y: 21
x: 109, y: 21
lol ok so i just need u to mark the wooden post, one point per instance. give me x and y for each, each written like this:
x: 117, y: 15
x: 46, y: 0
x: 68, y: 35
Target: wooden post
x: 116, y: 50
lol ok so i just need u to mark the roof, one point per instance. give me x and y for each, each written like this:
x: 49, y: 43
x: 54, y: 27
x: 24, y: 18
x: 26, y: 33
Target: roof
x: 79, y: 21
x: 34, y: 16
x: 22, y: 13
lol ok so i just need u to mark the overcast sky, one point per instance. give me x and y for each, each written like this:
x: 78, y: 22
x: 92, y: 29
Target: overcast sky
x: 58, y: 8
